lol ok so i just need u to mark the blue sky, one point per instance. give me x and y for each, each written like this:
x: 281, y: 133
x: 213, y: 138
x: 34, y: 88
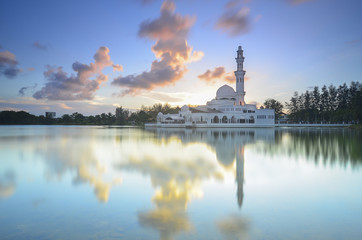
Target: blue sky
x: 91, y: 56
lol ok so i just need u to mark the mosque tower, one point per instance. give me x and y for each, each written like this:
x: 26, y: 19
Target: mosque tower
x: 239, y: 76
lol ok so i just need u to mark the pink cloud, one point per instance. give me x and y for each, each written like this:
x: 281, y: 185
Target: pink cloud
x: 61, y: 86
x: 170, y: 30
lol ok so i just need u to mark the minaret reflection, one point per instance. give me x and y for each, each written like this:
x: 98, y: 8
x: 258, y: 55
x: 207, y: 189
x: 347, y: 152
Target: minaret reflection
x: 227, y: 143
x: 240, y: 175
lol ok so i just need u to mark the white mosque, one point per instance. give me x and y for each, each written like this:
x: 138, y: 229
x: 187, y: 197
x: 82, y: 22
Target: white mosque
x: 227, y: 109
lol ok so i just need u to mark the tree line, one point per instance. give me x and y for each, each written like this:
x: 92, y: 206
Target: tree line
x: 326, y: 105
x: 120, y: 117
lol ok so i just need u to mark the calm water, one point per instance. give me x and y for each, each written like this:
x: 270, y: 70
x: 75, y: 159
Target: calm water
x: 125, y: 183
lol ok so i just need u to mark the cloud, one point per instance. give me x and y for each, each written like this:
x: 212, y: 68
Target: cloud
x: 211, y: 76
x: 296, y: 2
x: 145, y: 2
x: 7, y: 184
x: 355, y: 42
x: 176, y: 179
x: 23, y: 89
x: 170, y: 31
x: 65, y: 106
x: 60, y: 86
x: 164, y: 97
x: 235, y: 19
x: 117, y: 67
x: 40, y: 46
x: 30, y: 69
x: 8, y: 64
x: 88, y: 168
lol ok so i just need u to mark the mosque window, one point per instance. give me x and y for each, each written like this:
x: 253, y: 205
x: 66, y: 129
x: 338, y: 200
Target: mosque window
x: 251, y: 120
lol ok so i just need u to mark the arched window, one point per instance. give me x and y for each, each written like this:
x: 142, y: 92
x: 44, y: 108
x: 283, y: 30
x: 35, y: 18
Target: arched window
x: 224, y: 119
x: 216, y: 119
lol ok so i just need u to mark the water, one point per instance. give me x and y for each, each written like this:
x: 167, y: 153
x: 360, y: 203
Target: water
x: 79, y: 182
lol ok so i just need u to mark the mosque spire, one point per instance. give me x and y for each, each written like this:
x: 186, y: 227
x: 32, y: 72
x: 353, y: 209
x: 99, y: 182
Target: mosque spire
x: 239, y: 76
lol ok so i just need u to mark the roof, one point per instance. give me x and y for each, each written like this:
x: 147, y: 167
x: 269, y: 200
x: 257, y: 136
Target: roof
x: 208, y: 110
x: 225, y: 92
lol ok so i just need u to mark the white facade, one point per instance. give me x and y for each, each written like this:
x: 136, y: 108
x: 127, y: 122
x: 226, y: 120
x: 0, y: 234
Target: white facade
x: 227, y: 109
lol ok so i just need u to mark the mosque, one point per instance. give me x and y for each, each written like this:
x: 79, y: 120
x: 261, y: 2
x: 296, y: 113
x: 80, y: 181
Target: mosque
x: 227, y: 109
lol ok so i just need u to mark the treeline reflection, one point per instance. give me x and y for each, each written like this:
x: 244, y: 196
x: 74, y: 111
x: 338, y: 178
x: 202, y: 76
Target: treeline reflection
x: 320, y: 145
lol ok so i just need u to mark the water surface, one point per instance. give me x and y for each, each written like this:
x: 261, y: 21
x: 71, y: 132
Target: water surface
x: 78, y: 182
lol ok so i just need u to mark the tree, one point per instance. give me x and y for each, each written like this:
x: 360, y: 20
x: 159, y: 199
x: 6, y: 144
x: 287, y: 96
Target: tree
x: 293, y: 107
x: 324, y: 104
x: 316, y: 98
x: 276, y: 105
x: 121, y: 116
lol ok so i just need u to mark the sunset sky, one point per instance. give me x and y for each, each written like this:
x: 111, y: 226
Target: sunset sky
x: 91, y: 56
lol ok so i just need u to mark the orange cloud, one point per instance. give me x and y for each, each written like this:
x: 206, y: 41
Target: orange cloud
x: 218, y: 72
x: 117, y: 67
x: 60, y: 86
x: 211, y: 76
x: 170, y: 31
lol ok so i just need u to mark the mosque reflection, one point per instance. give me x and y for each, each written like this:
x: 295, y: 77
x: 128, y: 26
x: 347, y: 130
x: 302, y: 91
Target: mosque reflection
x: 228, y: 145
x: 176, y: 177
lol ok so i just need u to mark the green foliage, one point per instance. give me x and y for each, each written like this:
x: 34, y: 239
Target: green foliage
x: 276, y: 105
x: 121, y: 117
x: 21, y: 117
x: 158, y: 107
x: 332, y: 105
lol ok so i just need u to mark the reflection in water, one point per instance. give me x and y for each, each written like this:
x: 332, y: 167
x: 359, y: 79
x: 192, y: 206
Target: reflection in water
x: 7, y: 184
x: 63, y: 150
x: 169, y: 217
x: 321, y: 145
x: 179, y: 164
x: 240, y: 175
x: 176, y: 174
x: 234, y: 227
x: 62, y: 157
x: 228, y: 145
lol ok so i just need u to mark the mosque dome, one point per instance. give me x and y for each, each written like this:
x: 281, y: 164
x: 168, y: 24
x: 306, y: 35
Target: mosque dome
x: 225, y: 92
x: 185, y: 108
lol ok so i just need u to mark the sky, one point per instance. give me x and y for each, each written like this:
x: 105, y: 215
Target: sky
x: 93, y: 56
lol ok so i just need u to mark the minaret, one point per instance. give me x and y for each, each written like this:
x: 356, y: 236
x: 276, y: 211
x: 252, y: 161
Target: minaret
x: 239, y: 76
